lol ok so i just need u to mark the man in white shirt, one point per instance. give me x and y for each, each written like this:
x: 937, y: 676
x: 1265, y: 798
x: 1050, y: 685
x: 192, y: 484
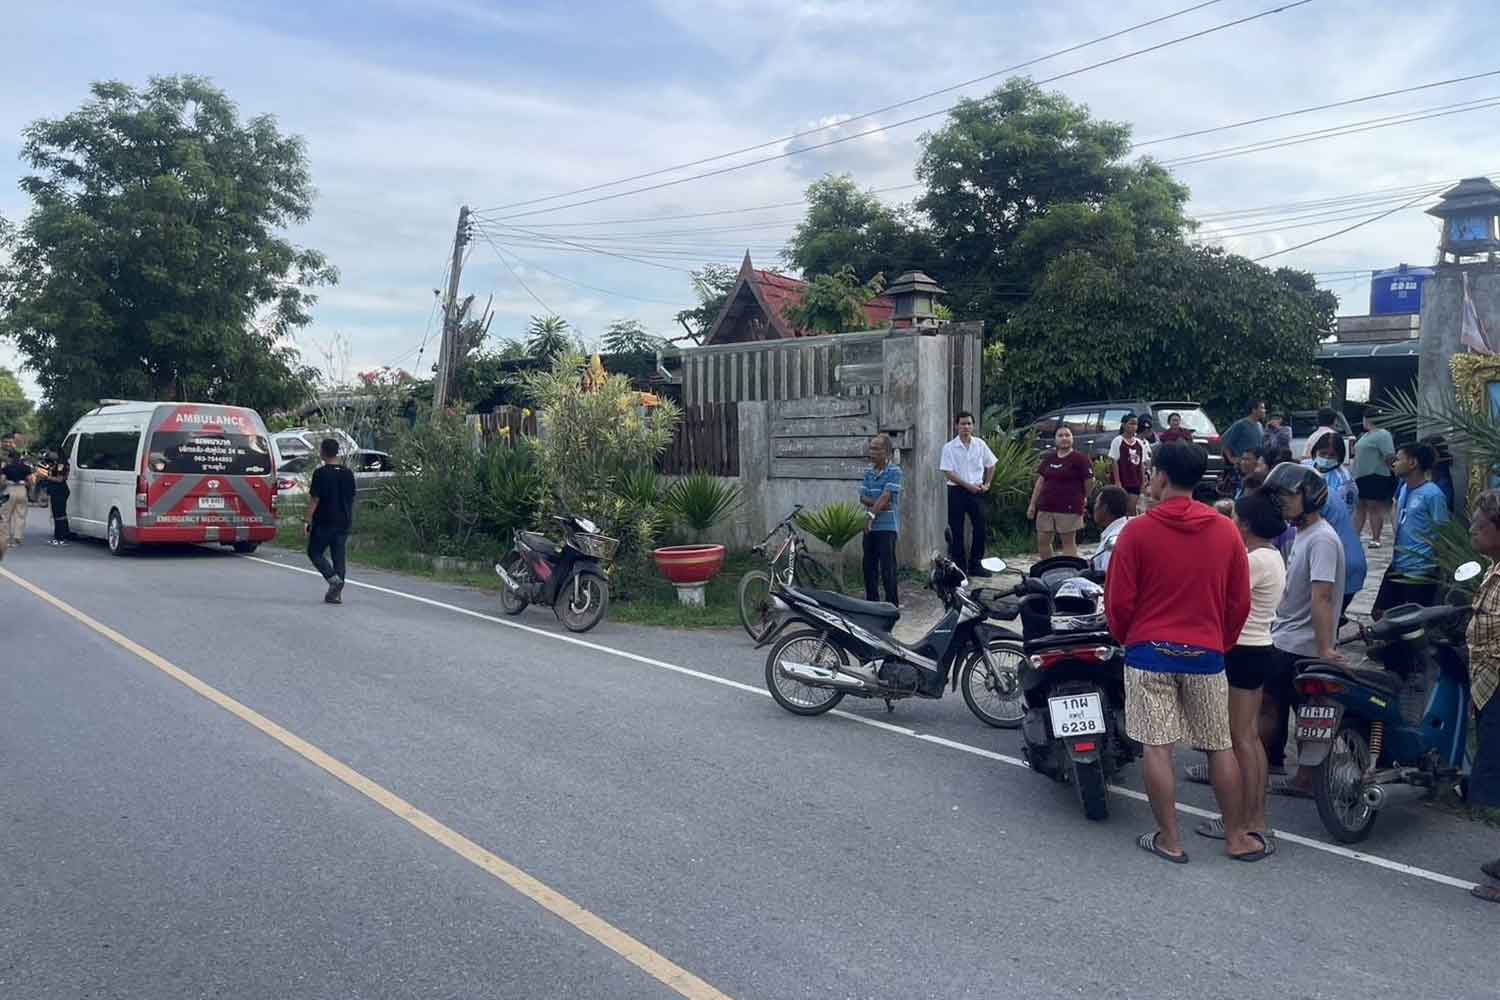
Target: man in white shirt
x: 1110, y: 511
x: 969, y: 466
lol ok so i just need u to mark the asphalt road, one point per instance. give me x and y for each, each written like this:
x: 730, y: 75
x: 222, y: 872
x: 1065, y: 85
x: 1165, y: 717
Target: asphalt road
x: 157, y: 846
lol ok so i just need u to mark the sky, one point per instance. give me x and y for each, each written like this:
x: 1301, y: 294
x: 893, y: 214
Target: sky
x: 411, y: 108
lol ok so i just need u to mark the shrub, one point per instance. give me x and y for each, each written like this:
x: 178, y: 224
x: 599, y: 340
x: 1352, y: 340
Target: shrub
x: 512, y: 485
x: 835, y: 525
x: 441, y: 499
x: 701, y: 501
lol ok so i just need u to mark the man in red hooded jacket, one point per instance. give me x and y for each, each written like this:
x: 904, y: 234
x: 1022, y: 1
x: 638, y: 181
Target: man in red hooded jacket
x: 1177, y: 595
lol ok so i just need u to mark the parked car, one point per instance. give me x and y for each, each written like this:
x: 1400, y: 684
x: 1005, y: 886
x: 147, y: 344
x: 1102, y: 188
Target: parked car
x: 305, y: 441
x: 1304, y: 422
x: 1094, y: 425
x: 371, y: 470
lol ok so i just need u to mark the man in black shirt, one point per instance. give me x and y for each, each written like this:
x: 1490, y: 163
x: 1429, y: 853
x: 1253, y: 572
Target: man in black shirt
x: 330, y: 514
x: 59, y: 491
x: 13, y: 478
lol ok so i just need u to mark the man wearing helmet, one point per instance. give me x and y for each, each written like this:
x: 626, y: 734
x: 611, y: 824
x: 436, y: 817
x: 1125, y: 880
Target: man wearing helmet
x: 1306, y: 623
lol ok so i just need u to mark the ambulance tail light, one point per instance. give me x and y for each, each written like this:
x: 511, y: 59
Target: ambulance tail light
x: 141, y: 496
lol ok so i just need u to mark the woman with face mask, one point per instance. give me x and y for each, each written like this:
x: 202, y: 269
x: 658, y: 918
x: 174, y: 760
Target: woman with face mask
x: 1328, y: 460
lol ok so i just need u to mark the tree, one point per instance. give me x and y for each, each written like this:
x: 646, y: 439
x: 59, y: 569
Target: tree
x: 153, y: 264
x: 712, y: 284
x: 629, y: 336
x: 549, y: 337
x: 845, y: 226
x: 835, y: 303
x: 1179, y: 322
x: 15, y: 408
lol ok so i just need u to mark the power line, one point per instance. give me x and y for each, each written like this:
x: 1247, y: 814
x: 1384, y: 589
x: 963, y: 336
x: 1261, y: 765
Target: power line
x: 1333, y: 132
x: 521, y: 281
x: 607, y: 253
x: 867, y: 114
x: 1346, y: 229
x: 1280, y: 225
x: 580, y: 284
x: 883, y: 128
x: 1320, y: 107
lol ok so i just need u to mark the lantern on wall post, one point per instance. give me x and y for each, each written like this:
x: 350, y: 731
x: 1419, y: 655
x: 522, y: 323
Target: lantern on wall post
x: 916, y: 297
x: 1469, y: 212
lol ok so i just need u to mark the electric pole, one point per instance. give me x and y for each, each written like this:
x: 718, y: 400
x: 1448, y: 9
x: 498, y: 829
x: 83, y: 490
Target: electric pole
x: 452, y: 317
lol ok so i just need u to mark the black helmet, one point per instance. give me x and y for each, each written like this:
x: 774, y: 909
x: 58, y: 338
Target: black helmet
x: 1289, y: 477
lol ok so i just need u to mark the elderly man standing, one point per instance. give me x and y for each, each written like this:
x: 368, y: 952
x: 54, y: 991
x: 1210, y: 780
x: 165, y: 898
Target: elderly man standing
x: 880, y: 495
x: 969, y: 466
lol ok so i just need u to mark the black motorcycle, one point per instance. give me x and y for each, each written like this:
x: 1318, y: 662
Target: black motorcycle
x: 1073, y: 682
x: 847, y: 648
x: 570, y: 577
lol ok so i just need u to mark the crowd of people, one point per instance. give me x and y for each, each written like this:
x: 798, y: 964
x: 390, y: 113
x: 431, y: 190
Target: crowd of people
x: 17, y: 477
x: 1216, y: 610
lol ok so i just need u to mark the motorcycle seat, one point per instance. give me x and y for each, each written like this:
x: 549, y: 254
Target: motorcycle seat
x: 848, y: 605
x: 541, y: 543
x: 1383, y: 681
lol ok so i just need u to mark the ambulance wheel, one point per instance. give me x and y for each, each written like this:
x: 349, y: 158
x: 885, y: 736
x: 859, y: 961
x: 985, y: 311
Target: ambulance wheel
x: 115, y: 537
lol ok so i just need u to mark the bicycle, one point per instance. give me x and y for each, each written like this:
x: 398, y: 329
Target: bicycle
x: 792, y: 564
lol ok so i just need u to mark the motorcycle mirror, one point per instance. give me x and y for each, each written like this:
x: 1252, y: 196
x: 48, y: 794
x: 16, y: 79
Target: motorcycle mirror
x: 1467, y: 572
x: 994, y: 564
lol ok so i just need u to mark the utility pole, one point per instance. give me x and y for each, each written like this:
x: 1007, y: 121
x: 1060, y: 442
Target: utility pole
x: 452, y: 317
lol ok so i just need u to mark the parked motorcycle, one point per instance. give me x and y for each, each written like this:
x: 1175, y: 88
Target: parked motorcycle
x: 570, y: 577
x: 1073, y: 681
x: 847, y: 648
x: 1362, y: 729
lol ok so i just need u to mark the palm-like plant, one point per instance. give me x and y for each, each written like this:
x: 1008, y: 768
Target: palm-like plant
x: 548, y: 337
x: 701, y: 501
x: 835, y: 525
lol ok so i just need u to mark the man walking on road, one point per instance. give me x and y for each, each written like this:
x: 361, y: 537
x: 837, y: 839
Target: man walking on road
x: 330, y: 515
x: 969, y: 466
x: 1177, y: 595
x: 15, y: 475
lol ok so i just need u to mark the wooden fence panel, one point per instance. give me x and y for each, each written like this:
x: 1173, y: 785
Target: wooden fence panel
x: 707, y: 440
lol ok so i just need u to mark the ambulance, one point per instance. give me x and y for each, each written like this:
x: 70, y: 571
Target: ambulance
x: 146, y: 473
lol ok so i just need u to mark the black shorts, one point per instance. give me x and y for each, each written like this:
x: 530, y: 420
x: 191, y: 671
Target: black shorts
x: 1376, y: 488
x: 1395, y: 592
x: 1280, y: 674
x: 1248, y: 666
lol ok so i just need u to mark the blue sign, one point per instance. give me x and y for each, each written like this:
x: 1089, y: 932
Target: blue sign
x: 1398, y: 290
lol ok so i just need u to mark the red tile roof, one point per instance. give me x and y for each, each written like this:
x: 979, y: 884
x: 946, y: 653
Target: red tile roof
x: 778, y: 292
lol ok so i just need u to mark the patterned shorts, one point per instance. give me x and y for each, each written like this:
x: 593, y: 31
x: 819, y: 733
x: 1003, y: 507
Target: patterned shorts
x: 1162, y: 708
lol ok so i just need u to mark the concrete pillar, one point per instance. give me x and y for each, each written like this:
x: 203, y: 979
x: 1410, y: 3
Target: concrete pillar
x: 1442, y: 327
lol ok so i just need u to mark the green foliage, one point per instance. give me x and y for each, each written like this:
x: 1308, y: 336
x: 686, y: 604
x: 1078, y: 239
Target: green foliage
x: 701, y: 501
x: 712, y: 285
x: 835, y: 525
x: 641, y: 485
x: 550, y: 338
x: 513, y: 485
x: 153, y: 263
x: 847, y: 227
x: 15, y: 408
x: 835, y: 303
x: 629, y: 336
x: 442, y: 501
x: 1180, y: 321
x: 1015, y: 474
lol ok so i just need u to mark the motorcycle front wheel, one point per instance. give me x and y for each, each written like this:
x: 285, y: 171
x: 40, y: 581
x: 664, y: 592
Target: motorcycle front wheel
x: 582, y: 601
x: 511, y: 602
x: 1338, y: 787
x: 808, y: 647
x: 994, y: 695
x: 1093, y: 792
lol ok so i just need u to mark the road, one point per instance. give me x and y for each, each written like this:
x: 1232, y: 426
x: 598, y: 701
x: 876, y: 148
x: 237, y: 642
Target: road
x: 216, y: 786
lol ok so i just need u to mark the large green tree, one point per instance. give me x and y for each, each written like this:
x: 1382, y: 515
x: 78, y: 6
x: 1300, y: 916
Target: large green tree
x: 1178, y: 322
x: 154, y: 262
x: 847, y: 227
x: 15, y: 408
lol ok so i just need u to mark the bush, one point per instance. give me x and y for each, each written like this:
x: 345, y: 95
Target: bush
x: 512, y: 485
x: 441, y: 496
x: 700, y: 501
x: 835, y: 525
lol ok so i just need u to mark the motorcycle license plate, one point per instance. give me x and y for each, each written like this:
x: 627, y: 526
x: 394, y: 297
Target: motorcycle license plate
x: 210, y: 503
x: 1076, y: 714
x: 1317, y: 722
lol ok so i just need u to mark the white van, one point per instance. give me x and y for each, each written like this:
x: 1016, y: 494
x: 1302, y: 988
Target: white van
x: 144, y: 473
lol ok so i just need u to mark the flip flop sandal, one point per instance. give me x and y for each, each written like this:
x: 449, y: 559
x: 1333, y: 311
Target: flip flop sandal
x: 1213, y: 829
x: 1147, y: 842
x: 1492, y: 869
x: 1260, y: 855
x: 1197, y: 772
x: 1488, y: 893
x: 1282, y: 785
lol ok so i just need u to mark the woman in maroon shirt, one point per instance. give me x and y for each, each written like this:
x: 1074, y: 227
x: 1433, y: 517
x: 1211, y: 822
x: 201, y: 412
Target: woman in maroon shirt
x: 1057, y: 499
x: 1175, y: 431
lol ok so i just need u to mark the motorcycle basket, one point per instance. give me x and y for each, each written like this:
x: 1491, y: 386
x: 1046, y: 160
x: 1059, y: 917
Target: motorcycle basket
x: 600, y: 547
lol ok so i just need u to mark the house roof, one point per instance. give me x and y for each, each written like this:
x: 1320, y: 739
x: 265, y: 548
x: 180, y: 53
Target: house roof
x: 775, y: 292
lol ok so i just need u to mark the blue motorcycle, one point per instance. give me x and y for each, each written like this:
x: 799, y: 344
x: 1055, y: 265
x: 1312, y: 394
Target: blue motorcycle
x: 1363, y: 729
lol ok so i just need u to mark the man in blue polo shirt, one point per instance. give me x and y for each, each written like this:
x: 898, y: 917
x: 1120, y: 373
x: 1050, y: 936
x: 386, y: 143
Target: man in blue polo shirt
x: 881, y: 497
x: 1420, y: 508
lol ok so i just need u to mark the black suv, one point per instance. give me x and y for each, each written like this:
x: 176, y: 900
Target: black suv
x: 1095, y: 425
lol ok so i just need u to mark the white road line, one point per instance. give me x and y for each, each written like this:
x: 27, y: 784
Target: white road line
x: 1318, y: 845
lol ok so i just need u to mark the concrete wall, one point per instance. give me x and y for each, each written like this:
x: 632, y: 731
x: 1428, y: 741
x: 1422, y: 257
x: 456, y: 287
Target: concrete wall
x: 1442, y: 326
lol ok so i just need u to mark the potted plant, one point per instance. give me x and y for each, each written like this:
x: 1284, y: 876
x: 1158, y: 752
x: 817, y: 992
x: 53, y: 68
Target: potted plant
x: 698, y: 502
x: 835, y: 525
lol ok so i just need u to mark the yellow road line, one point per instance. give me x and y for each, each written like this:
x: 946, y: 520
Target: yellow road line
x: 652, y: 963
